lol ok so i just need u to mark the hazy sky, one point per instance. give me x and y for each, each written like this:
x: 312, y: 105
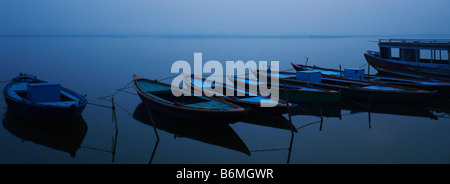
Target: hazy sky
x: 274, y: 17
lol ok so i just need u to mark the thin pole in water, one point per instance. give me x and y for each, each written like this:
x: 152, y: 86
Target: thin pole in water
x: 117, y: 128
x: 156, y: 133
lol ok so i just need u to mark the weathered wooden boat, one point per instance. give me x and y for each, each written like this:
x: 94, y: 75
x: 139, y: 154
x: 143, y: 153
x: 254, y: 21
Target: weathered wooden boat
x: 158, y: 95
x: 214, y: 133
x: 297, y: 93
x: 35, y: 99
x: 247, y: 99
x: 359, y: 89
x: 417, y: 58
x: 442, y: 87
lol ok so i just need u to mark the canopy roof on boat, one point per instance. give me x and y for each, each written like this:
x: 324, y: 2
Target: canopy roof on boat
x: 441, y: 44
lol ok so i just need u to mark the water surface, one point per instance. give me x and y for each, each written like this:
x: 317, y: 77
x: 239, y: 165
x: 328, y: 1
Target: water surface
x: 99, y: 65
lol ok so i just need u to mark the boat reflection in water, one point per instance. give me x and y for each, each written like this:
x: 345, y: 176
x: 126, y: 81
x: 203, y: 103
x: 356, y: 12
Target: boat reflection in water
x: 358, y: 106
x: 332, y: 110
x: 61, y: 136
x: 268, y: 120
x: 408, y: 109
x: 219, y: 134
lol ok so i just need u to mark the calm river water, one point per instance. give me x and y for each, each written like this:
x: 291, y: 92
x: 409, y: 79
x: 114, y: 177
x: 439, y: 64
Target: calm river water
x: 99, y: 65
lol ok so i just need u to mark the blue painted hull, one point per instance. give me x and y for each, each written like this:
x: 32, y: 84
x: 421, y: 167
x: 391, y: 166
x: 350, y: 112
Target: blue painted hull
x: 44, y: 113
x: 199, y: 116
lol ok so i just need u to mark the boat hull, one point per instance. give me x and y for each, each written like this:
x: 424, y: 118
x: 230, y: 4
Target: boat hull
x: 43, y: 113
x: 201, y: 114
x: 384, y: 66
x: 195, y: 115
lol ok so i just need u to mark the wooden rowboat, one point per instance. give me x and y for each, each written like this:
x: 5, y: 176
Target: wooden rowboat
x: 31, y: 98
x: 158, y: 95
x: 247, y: 99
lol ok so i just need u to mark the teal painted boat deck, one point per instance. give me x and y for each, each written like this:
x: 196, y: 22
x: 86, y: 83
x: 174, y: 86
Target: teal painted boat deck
x: 153, y: 89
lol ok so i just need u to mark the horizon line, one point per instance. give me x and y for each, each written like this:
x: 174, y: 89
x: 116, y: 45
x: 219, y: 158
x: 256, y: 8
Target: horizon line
x: 210, y: 35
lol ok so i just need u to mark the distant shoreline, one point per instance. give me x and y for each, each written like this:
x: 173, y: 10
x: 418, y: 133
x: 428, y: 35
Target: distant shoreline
x: 226, y: 35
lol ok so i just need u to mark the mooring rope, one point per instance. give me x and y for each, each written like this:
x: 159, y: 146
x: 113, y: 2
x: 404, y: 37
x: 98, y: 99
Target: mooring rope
x: 305, y: 125
x: 99, y: 105
x: 363, y: 65
x: 168, y: 78
x: 118, y: 90
x: 275, y: 149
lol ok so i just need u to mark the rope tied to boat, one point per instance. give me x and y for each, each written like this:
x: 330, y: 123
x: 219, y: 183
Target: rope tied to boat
x: 110, y: 98
x: 167, y: 78
x: 117, y: 91
x: 363, y: 65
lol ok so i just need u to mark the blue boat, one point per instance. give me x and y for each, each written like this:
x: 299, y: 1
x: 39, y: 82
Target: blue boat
x: 32, y: 98
x: 159, y: 96
x: 241, y: 97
